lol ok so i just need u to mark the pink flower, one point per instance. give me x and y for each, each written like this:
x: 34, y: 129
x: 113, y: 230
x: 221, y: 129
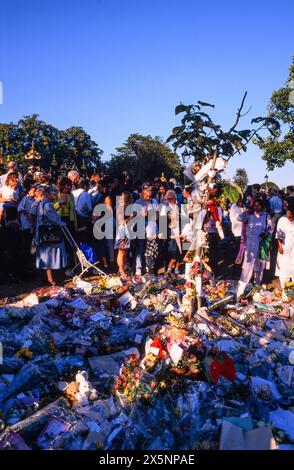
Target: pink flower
x: 116, y: 387
x: 153, y: 384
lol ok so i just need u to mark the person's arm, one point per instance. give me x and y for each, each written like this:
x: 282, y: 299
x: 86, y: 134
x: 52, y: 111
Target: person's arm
x: 72, y: 211
x: 269, y: 226
x: 280, y: 235
x: 280, y: 247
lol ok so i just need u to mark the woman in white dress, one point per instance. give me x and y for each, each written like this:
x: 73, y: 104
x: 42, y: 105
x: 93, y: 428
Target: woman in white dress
x: 256, y: 224
x: 285, y: 236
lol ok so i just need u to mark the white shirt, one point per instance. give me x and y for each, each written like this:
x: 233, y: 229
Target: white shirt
x: 83, y: 202
x: 10, y: 193
x: 235, y: 211
x: 285, y: 262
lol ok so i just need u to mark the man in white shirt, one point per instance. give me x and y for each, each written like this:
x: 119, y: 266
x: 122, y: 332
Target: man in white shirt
x: 83, y: 200
x: 235, y: 210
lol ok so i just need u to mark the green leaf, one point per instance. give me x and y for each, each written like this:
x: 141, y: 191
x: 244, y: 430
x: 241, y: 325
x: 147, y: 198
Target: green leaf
x: 203, y: 103
x: 181, y: 108
x: 178, y: 130
x: 245, y: 134
x: 231, y: 192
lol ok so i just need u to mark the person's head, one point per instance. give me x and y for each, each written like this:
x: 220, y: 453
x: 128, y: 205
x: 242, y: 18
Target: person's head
x: 273, y: 192
x: 255, y: 189
x: 28, y: 182
x: 64, y: 185
x: 94, y: 180
x: 157, y: 183
x: 170, y: 196
x: 187, y: 191
x: 39, y: 194
x: 173, y: 181
x: 125, y: 199
x: 258, y: 205
x: 170, y: 185
x: 74, y: 177
x: 44, y: 179
x: 162, y: 189
x: 290, y: 210
x: 104, y: 184
x: 32, y: 190
x: 12, y: 180
x: 12, y: 166
x: 289, y: 190
x: 50, y: 193
x: 84, y: 184
x: 145, y: 193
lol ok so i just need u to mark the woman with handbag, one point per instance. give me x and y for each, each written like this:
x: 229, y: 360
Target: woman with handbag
x: 50, y: 251
x: 258, y: 229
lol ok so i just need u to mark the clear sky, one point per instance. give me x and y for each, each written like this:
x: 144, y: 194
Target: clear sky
x: 117, y: 67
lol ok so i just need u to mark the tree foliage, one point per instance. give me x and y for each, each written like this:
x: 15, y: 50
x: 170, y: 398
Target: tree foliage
x: 241, y: 178
x: 198, y: 135
x: 144, y: 157
x: 278, y: 147
x: 73, y: 143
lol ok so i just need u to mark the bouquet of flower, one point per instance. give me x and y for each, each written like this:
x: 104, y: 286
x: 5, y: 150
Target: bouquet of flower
x: 289, y: 290
x: 200, y: 268
x: 215, y: 292
x: 188, y: 365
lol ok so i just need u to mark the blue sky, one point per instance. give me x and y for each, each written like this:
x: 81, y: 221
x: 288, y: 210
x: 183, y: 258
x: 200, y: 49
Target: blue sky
x: 121, y: 66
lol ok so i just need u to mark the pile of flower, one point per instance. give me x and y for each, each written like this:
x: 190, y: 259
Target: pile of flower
x: 216, y: 292
x: 289, y: 290
x: 188, y: 365
x: 135, y: 383
x: 200, y: 267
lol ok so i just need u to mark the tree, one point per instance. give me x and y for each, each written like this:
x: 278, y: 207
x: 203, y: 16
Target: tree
x: 198, y: 135
x: 144, y: 157
x: 73, y: 144
x: 278, y: 147
x: 269, y: 185
x: 241, y: 178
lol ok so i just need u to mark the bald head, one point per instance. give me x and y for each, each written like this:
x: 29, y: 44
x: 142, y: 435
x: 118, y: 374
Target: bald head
x: 12, y: 166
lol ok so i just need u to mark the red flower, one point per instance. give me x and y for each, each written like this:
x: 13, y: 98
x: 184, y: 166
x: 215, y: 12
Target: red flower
x: 116, y: 387
x: 153, y: 384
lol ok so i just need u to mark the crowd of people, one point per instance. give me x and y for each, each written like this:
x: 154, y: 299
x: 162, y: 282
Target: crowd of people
x: 34, y: 208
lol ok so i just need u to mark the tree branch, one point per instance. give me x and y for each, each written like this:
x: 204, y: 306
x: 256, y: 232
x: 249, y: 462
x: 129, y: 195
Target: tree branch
x: 238, y: 113
x: 247, y: 141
